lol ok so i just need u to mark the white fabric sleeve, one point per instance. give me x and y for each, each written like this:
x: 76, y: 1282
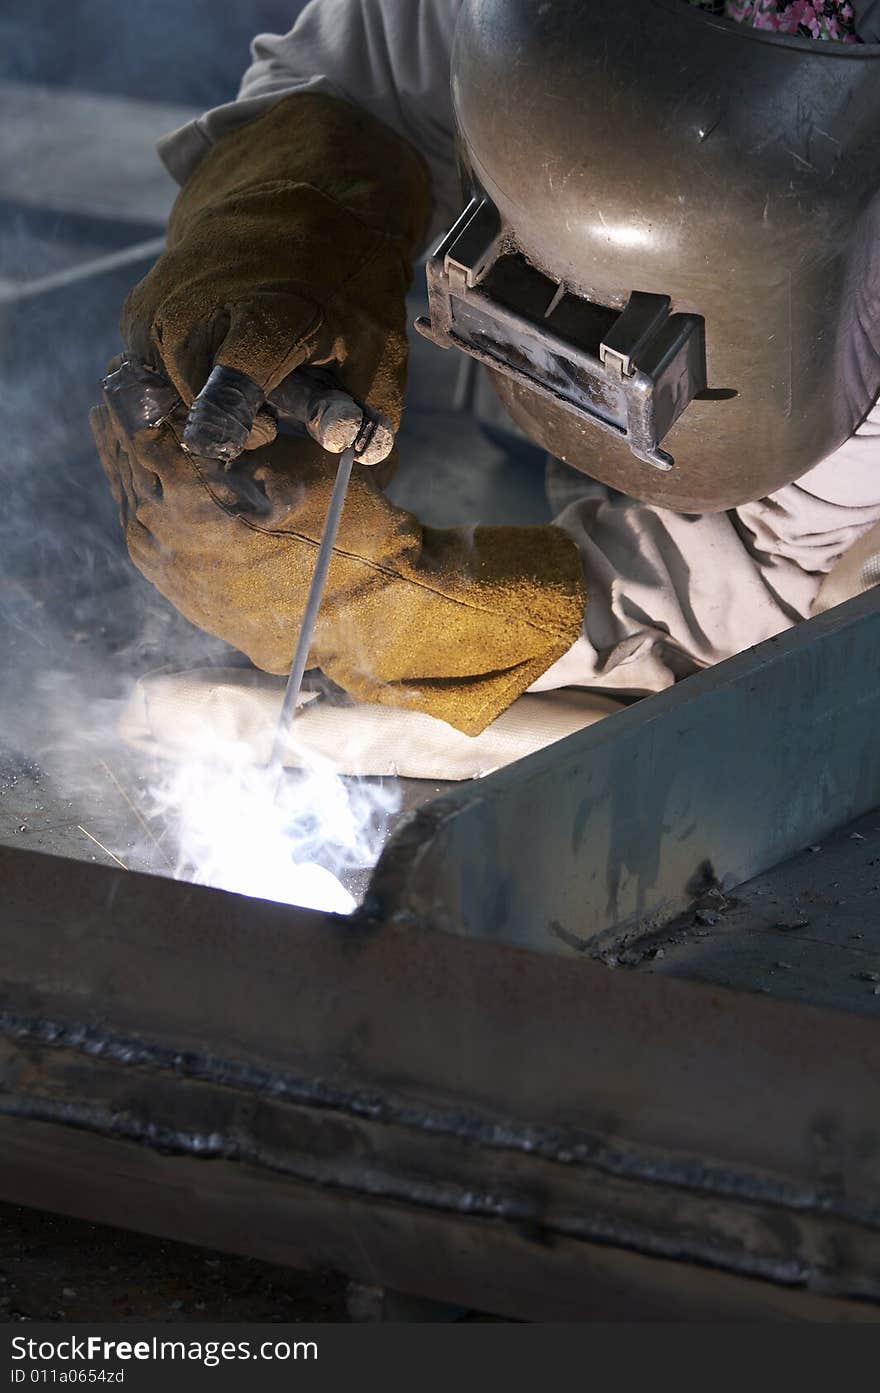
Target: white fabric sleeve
x: 671, y: 593
x: 391, y: 57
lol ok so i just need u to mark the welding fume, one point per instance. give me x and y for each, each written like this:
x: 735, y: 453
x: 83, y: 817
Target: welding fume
x: 654, y: 225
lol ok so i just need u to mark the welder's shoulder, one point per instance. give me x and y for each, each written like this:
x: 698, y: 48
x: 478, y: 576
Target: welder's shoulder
x: 363, y: 47
x: 391, y: 58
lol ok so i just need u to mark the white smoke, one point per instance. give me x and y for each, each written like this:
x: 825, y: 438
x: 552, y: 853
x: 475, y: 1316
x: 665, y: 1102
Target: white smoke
x: 204, y: 808
x: 237, y: 827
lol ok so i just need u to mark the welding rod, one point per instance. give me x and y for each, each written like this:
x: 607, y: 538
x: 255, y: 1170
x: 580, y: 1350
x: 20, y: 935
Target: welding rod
x: 313, y: 605
x: 218, y: 426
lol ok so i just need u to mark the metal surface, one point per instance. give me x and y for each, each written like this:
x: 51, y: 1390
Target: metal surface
x: 806, y: 931
x: 614, y: 831
x: 571, y: 1141
x: 636, y: 165
x: 340, y: 1093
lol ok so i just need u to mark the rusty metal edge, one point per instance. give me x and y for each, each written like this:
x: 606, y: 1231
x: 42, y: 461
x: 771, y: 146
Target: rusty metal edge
x: 509, y: 1269
x: 451, y: 1123
x: 371, y: 1162
x: 614, y: 831
x: 466, y: 1049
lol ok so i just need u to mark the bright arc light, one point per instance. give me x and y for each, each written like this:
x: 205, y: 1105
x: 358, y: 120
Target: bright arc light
x: 237, y: 831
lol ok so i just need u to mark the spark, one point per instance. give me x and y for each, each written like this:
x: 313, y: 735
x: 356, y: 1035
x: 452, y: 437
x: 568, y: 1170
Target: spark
x: 106, y: 850
x: 138, y: 814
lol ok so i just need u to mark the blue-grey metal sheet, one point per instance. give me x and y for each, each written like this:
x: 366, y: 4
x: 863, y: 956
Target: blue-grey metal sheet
x: 618, y: 828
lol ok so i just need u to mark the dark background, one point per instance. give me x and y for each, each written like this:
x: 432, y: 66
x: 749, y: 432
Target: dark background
x: 188, y: 51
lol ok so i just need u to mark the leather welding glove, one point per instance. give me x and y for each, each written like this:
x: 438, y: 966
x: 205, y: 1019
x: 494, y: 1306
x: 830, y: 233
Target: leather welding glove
x: 456, y: 623
x: 291, y: 243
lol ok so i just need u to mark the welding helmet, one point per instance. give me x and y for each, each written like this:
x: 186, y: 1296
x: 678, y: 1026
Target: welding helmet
x: 669, y: 254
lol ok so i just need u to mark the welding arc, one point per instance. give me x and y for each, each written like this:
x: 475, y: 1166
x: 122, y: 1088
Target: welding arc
x: 313, y: 605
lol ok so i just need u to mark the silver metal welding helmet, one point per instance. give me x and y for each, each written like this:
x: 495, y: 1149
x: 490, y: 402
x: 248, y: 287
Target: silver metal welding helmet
x: 670, y: 253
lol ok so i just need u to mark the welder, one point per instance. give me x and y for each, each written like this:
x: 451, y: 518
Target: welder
x: 303, y: 207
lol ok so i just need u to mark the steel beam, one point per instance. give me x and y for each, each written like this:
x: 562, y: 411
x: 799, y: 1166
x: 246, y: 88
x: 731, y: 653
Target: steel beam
x: 564, y: 1140
x: 614, y: 831
x: 327, y: 1091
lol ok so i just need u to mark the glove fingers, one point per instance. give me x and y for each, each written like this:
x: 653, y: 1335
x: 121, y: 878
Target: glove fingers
x: 118, y: 462
x: 269, y: 335
x: 226, y: 367
x: 141, y: 461
x: 136, y: 326
x: 107, y: 451
x: 264, y: 337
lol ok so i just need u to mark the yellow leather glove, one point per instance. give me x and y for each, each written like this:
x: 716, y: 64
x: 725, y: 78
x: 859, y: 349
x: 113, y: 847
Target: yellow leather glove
x: 453, y: 622
x: 291, y: 243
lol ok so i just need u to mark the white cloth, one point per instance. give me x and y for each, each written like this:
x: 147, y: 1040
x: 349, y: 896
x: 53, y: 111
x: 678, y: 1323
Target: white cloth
x: 668, y: 594
x: 181, y: 716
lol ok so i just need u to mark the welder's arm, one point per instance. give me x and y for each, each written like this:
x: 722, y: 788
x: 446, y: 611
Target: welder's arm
x: 391, y: 58
x: 674, y: 593
x: 291, y: 244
